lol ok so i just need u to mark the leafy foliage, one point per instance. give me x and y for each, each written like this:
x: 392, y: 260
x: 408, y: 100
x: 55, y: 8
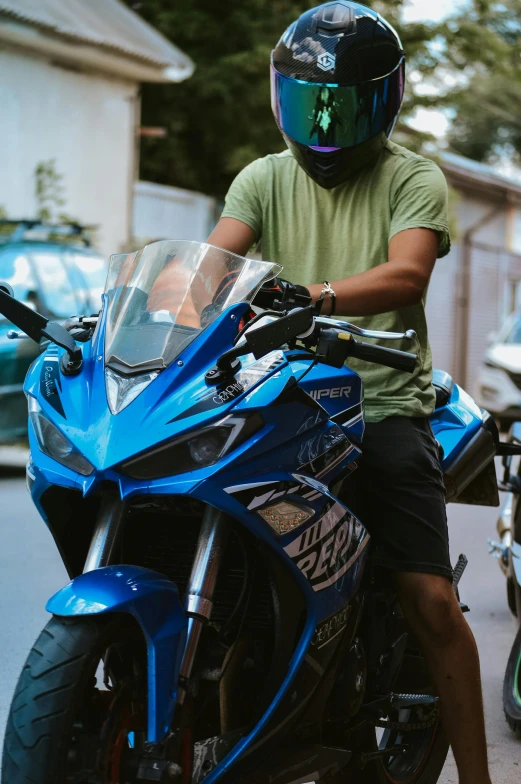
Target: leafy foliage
x: 487, y: 107
x: 220, y: 119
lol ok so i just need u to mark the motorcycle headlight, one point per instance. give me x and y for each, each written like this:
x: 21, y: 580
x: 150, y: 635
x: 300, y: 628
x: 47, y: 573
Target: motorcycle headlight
x: 199, y: 449
x: 54, y: 444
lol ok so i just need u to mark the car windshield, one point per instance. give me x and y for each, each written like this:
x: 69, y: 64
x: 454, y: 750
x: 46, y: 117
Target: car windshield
x: 514, y: 335
x: 162, y: 297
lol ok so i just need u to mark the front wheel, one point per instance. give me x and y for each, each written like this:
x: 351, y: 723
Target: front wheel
x: 80, y: 703
x: 512, y: 686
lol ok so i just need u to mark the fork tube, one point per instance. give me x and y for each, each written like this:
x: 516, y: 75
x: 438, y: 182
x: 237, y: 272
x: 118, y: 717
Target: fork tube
x: 201, y: 586
x: 105, y: 533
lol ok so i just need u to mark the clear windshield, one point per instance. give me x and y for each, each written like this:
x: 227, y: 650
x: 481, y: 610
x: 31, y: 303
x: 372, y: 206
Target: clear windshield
x: 162, y: 297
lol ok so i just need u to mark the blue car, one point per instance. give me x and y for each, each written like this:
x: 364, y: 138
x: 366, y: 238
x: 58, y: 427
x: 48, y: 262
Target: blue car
x: 54, y: 271
x: 223, y: 622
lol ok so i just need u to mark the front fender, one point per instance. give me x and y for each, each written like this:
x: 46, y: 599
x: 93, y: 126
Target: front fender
x: 153, y: 601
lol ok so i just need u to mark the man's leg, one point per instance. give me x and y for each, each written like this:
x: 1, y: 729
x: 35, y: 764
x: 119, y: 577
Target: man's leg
x: 431, y: 608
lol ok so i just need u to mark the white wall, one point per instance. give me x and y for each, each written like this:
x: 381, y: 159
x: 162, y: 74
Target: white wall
x: 84, y: 121
x: 164, y: 212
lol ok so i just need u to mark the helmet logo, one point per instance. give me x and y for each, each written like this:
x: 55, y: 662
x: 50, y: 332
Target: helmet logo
x: 326, y: 61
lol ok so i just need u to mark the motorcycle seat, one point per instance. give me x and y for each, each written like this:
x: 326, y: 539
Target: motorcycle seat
x: 443, y: 384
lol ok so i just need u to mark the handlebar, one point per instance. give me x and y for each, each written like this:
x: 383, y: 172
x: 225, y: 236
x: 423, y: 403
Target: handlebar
x: 390, y: 357
x: 333, y: 339
x: 333, y: 333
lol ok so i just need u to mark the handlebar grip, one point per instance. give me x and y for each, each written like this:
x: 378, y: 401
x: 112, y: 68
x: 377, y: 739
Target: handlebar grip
x: 390, y: 357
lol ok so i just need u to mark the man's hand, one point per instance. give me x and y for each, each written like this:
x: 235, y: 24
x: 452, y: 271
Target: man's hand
x: 398, y: 283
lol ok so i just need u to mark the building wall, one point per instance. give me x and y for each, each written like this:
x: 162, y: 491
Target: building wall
x: 494, y: 275
x: 164, y: 212
x: 86, y: 122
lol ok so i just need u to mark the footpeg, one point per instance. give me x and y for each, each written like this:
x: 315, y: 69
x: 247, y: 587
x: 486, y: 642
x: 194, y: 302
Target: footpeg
x: 383, y: 705
x: 459, y: 569
x: 412, y: 700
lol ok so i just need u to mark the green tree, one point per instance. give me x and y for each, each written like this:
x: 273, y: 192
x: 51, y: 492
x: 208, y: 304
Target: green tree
x: 220, y: 119
x: 486, y: 47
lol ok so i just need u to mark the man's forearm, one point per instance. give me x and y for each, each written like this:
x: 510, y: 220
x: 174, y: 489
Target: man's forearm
x: 379, y: 290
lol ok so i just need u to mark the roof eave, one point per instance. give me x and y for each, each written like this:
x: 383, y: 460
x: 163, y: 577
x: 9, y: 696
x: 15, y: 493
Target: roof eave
x: 93, y: 58
x: 467, y: 179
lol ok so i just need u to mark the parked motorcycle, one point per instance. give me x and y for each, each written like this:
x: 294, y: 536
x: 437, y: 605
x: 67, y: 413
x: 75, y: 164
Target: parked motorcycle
x: 508, y: 553
x: 224, y: 620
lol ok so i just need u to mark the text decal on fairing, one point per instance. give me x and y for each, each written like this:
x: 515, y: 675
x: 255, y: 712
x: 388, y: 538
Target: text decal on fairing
x: 332, y: 393
x: 331, y: 627
x: 326, y: 550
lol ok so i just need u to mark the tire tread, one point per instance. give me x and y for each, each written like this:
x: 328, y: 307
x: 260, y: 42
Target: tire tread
x: 43, y: 701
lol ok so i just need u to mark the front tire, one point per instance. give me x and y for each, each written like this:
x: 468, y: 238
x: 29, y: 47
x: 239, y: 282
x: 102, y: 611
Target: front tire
x: 70, y: 720
x: 512, y: 687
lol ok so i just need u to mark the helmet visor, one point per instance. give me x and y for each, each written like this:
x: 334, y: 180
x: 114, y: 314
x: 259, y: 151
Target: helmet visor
x: 337, y: 115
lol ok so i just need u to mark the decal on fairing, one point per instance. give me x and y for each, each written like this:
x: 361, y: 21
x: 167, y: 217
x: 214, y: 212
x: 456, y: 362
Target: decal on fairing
x: 50, y: 382
x: 329, y: 629
x: 349, y: 415
x: 327, y: 549
x: 224, y: 393
x: 253, y: 496
x: 332, y: 393
x: 326, y: 451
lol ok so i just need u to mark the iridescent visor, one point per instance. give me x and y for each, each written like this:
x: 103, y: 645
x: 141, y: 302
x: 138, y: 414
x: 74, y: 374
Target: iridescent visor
x: 332, y: 115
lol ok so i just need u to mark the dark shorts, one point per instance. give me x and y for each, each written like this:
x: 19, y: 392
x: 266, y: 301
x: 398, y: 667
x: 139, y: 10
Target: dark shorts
x: 397, y: 492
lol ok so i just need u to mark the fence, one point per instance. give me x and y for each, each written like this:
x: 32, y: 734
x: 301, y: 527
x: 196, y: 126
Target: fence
x: 164, y: 212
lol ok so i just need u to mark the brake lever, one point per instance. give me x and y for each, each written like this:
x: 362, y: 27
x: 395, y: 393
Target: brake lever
x: 346, y: 326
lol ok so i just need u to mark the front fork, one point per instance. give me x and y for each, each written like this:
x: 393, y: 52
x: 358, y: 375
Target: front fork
x: 201, y: 586
x: 203, y: 578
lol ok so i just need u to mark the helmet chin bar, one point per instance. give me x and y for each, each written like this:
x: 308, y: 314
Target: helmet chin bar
x: 334, y: 167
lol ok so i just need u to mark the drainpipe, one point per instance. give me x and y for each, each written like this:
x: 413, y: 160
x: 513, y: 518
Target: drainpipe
x: 462, y: 345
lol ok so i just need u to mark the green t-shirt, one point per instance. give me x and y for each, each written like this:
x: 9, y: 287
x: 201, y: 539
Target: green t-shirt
x: 318, y: 234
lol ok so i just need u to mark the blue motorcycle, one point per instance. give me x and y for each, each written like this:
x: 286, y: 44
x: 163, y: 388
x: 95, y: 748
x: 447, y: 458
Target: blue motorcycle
x: 223, y: 621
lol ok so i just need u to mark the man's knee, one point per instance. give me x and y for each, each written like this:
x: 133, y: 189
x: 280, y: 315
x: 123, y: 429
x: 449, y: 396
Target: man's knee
x: 430, y: 606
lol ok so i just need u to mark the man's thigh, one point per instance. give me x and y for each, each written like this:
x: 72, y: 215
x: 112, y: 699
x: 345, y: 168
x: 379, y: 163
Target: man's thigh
x: 399, y: 495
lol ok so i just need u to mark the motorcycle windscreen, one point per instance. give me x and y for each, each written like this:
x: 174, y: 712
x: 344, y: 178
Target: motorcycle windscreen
x: 160, y: 298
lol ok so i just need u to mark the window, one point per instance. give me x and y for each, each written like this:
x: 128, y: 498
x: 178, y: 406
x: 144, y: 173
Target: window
x: 514, y: 230
x: 15, y: 269
x: 91, y: 273
x: 56, y: 287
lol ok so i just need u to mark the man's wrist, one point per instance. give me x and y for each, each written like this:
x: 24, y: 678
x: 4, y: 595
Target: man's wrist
x: 328, y: 305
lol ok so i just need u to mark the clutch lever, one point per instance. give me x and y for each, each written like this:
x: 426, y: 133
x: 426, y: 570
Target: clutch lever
x: 346, y: 326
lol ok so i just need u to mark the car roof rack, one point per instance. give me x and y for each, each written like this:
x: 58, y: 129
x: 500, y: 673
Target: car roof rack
x: 31, y: 229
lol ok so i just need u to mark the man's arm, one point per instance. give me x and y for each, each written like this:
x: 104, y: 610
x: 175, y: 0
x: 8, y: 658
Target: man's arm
x: 397, y: 284
x: 233, y: 235
x: 400, y: 282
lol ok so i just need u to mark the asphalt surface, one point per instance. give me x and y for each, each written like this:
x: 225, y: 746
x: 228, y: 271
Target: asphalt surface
x: 31, y: 570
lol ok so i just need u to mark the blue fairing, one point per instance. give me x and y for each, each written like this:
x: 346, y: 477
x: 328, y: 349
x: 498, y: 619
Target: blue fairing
x: 455, y: 424
x: 154, y: 602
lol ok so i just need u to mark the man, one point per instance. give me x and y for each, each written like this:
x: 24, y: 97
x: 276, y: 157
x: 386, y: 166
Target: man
x: 346, y: 204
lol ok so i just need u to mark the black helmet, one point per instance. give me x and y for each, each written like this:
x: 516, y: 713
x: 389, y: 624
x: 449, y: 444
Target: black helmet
x: 337, y: 82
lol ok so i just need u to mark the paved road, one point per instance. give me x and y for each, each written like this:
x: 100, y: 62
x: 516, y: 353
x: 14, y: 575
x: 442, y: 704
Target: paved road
x: 30, y: 571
